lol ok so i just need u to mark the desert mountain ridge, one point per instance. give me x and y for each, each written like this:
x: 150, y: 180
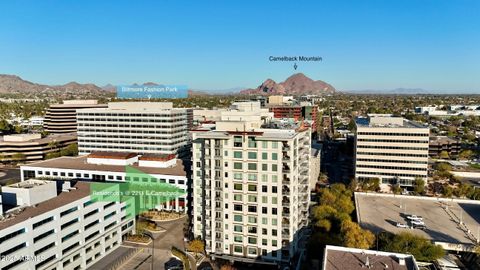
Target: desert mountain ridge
x: 297, y: 84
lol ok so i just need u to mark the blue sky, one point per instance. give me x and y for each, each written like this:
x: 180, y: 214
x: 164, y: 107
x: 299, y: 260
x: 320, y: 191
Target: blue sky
x: 365, y: 44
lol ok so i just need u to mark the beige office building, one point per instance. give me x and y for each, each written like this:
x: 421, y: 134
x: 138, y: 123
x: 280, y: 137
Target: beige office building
x: 251, y: 191
x: 393, y: 149
x: 134, y: 127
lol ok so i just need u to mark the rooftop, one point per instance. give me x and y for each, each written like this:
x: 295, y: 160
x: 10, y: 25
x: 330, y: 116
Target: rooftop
x: 82, y: 190
x: 381, y: 212
x: 386, y: 121
x: 80, y: 163
x: 112, y: 155
x: 47, y: 139
x: 336, y: 258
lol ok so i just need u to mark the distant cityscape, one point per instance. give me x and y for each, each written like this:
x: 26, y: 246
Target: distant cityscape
x: 310, y: 181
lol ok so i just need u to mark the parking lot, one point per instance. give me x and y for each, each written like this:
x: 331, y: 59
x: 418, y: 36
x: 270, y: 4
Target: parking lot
x: 379, y: 212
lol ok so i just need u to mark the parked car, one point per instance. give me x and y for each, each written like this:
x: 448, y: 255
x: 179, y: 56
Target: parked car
x: 414, y: 217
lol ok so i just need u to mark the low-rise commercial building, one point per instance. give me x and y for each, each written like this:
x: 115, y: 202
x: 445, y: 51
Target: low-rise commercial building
x: 48, y: 228
x: 443, y: 143
x: 32, y: 147
x: 111, y: 167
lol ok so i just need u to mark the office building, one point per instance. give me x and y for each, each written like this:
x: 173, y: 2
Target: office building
x: 62, y: 118
x: 111, y: 167
x: 32, y: 147
x: 48, y: 228
x: 393, y: 149
x: 251, y: 191
x: 134, y: 127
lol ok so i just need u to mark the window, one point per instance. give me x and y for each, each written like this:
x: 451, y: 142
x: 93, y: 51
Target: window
x: 264, y: 156
x: 238, y: 176
x: 252, y: 143
x: 238, y: 238
x: 274, y: 145
x: 252, y: 219
x: 274, y: 189
x: 40, y: 223
x: 252, y: 166
x: 274, y: 167
x: 252, y: 198
x: 274, y: 156
x: 70, y: 235
x: 11, y: 235
x: 264, y: 144
x: 237, y: 207
x: 238, y: 249
x: 252, y: 240
x: 252, y: 177
x: 237, y: 186
x: 238, y: 228
x: 67, y: 224
x: 237, y: 154
x: 43, y: 235
x: 66, y: 212
x: 252, y: 209
x: 237, y: 141
x: 252, y: 188
x: 252, y: 155
x: 237, y: 165
x: 238, y: 218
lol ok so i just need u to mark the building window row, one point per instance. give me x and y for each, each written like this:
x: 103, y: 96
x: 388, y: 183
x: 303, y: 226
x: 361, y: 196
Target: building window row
x: 394, y: 134
x: 392, y: 161
x: 391, y: 167
x: 391, y: 141
x: 391, y: 147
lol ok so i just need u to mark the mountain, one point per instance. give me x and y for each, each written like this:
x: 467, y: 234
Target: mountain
x: 297, y: 84
x: 11, y: 84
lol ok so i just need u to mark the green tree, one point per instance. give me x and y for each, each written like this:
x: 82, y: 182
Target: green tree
x: 447, y: 191
x: 419, y: 186
x: 444, y: 155
x: 356, y: 237
x: 17, y: 157
x: 465, y: 154
x: 196, y: 246
x: 442, y: 166
x: 421, y: 248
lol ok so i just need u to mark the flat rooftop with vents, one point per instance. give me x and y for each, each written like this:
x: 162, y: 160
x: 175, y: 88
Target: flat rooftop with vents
x: 452, y: 223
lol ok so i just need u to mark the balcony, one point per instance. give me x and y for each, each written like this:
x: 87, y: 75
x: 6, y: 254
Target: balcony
x: 286, y: 158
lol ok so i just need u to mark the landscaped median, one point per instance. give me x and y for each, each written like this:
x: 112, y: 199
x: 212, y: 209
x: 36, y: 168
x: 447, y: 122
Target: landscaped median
x: 182, y: 256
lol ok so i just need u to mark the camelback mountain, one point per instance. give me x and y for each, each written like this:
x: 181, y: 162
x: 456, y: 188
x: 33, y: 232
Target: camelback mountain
x: 297, y: 84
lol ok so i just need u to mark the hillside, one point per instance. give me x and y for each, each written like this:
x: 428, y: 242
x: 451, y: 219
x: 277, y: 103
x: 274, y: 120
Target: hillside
x: 297, y: 84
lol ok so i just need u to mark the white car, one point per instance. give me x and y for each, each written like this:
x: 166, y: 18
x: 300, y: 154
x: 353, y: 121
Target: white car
x: 401, y: 225
x: 417, y: 223
x: 415, y: 217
